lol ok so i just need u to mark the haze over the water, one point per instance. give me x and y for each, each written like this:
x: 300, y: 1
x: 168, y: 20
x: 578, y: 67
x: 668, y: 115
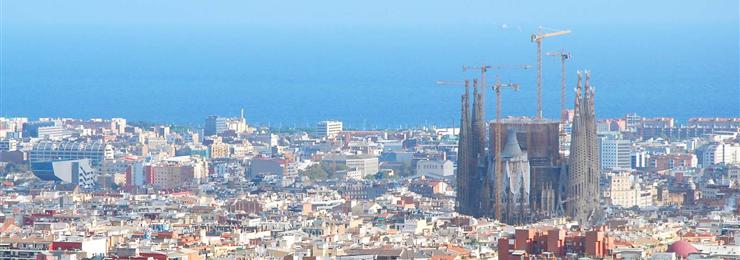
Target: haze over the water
x: 368, y: 63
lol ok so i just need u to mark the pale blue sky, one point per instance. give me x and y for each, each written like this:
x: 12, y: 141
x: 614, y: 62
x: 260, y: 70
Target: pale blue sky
x: 180, y: 61
x: 370, y: 13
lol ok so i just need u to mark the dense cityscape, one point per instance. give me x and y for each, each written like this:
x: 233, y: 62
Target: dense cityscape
x: 115, y: 143
x: 110, y: 189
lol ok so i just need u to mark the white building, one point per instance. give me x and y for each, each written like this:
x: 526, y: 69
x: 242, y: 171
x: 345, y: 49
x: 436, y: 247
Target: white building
x: 615, y: 152
x: 366, y: 164
x: 638, y: 159
x: 55, y: 151
x: 328, y: 128
x: 435, y: 168
x: 625, y: 191
x: 721, y: 153
x: 72, y: 171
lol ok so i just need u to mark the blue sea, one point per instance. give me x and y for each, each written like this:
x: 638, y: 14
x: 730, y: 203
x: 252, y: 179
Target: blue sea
x: 370, y: 77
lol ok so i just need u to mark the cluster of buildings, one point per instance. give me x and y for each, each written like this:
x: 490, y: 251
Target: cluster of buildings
x: 594, y: 188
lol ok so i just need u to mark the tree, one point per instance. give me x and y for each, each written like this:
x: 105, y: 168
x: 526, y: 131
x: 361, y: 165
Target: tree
x: 315, y: 172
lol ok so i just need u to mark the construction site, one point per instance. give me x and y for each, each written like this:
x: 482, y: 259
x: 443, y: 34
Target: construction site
x: 524, y: 169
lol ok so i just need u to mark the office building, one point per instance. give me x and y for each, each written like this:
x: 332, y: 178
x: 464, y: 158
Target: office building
x: 43, y: 129
x: 721, y: 153
x: 328, y: 128
x: 615, y: 152
x: 215, y: 125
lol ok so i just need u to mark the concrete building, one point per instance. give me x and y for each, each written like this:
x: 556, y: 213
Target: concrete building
x: 625, y: 190
x: 435, y: 169
x: 43, y: 129
x: 72, y: 171
x: 135, y: 175
x: 215, y: 125
x: 328, y: 128
x: 366, y: 164
x: 7, y: 145
x: 660, y: 162
x: 71, y: 150
x: 638, y: 159
x: 218, y: 149
x: 177, y: 172
x: 721, y: 153
x: 554, y: 244
x: 615, y: 152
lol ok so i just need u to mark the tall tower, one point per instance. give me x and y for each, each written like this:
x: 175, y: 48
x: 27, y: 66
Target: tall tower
x: 463, y: 199
x: 472, y: 179
x: 582, y: 203
x: 478, y: 163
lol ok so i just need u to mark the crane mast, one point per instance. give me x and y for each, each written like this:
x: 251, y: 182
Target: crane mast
x: 537, y: 38
x: 499, y: 178
x: 564, y: 56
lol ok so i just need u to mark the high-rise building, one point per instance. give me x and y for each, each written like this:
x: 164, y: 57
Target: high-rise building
x: 215, y: 125
x: 615, y: 152
x: 328, y: 128
x: 582, y: 189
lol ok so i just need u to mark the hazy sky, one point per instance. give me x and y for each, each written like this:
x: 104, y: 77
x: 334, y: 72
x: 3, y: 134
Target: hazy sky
x: 376, y: 61
x: 329, y: 14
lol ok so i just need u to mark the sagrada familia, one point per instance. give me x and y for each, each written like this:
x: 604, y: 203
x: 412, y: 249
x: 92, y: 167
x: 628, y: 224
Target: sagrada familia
x: 536, y: 180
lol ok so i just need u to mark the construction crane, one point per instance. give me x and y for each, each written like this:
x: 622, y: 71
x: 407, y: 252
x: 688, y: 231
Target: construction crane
x: 564, y: 56
x: 485, y: 68
x: 499, y: 179
x: 537, y: 37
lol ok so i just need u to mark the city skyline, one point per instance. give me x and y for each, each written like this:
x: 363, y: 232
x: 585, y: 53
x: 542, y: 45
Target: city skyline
x: 499, y: 130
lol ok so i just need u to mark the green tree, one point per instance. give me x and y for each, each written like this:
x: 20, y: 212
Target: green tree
x: 315, y: 172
